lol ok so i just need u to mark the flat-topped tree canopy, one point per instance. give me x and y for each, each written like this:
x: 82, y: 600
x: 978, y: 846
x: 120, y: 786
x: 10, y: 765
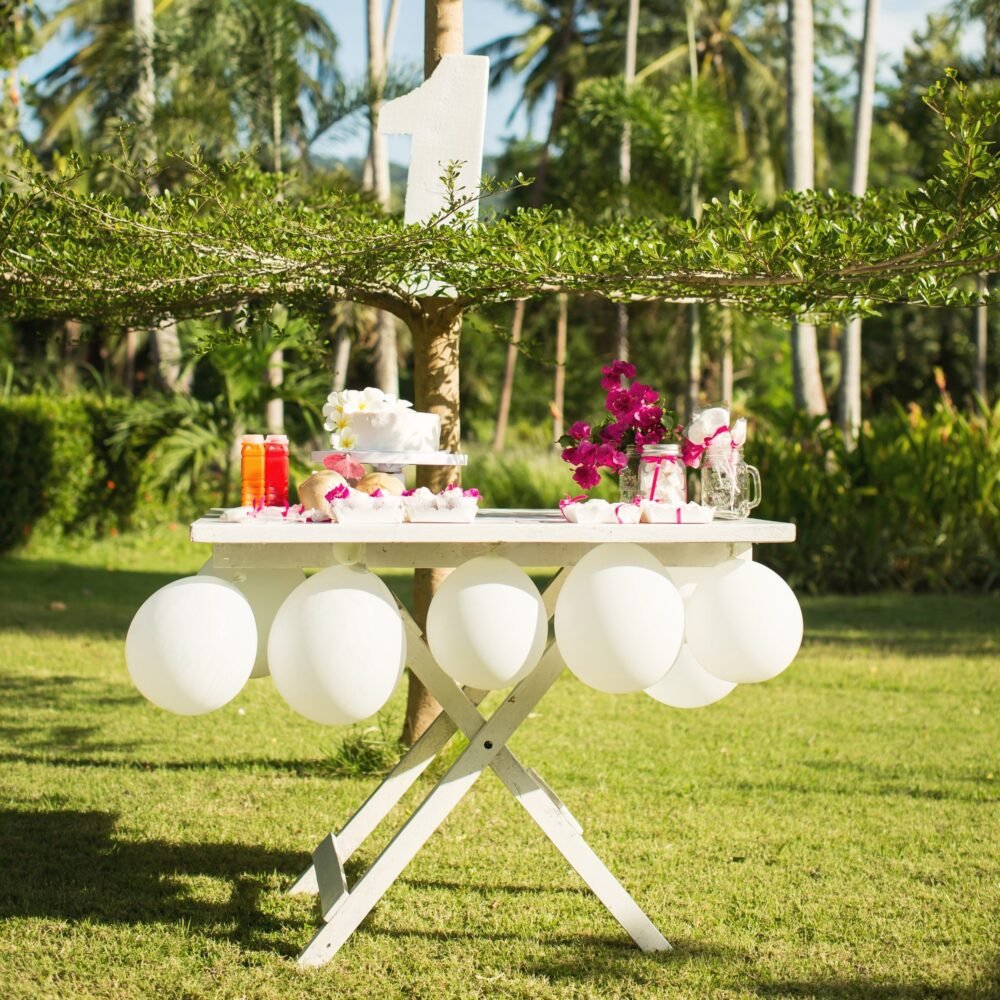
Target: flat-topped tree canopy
x: 227, y: 238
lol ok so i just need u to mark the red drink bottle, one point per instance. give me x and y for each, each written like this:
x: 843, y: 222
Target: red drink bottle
x: 276, y: 470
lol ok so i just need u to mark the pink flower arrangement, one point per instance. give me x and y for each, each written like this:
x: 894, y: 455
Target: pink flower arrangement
x: 636, y: 417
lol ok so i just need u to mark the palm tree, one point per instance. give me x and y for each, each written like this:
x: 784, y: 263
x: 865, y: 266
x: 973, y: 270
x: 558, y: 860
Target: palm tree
x: 850, y: 346
x: 807, y: 382
x: 548, y: 56
x: 735, y: 51
x: 625, y: 165
x: 377, y: 181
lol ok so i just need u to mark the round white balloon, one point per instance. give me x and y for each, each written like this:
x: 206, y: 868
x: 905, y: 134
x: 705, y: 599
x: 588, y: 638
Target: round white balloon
x: 487, y: 624
x: 266, y: 590
x: 191, y: 646
x: 619, y: 620
x: 688, y: 684
x: 337, y: 646
x: 744, y: 624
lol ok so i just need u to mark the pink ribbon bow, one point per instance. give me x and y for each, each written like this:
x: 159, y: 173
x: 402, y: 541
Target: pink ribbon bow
x: 692, y: 452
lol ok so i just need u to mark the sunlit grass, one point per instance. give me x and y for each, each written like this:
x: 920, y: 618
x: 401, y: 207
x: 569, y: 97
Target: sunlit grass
x: 832, y: 833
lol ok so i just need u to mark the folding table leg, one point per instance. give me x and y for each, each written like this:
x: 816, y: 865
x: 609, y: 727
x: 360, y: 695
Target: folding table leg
x: 353, y: 907
x: 537, y: 799
x: 380, y: 803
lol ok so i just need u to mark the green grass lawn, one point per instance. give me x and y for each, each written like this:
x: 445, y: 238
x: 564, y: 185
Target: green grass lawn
x: 833, y: 833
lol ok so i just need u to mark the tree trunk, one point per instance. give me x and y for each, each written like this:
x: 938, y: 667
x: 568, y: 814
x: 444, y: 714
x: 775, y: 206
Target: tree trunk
x: 165, y: 344
x: 622, y: 349
x: 850, y: 344
x: 144, y: 98
x: 128, y: 365
x: 164, y: 340
x: 275, y: 415
x: 982, y: 340
x: 806, y: 379
x: 694, y: 310
x: 341, y: 360
x: 726, y: 361
x: 625, y: 166
x: 68, y: 374
x: 509, y: 368
x: 386, y: 353
x: 386, y: 349
x: 436, y: 336
x: 559, y: 402
x: 537, y: 196
x: 694, y: 359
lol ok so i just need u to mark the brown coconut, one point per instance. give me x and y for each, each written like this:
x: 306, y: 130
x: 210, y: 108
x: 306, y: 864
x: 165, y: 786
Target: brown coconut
x: 313, y: 491
x: 380, y: 481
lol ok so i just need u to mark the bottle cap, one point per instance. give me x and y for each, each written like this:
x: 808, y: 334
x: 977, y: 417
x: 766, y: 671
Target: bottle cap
x: 253, y: 439
x: 276, y: 439
x: 653, y: 450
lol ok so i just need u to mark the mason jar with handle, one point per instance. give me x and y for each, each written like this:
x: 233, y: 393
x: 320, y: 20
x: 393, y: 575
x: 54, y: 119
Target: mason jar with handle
x: 728, y: 483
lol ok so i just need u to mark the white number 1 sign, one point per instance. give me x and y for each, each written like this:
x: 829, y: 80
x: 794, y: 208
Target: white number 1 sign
x: 446, y: 118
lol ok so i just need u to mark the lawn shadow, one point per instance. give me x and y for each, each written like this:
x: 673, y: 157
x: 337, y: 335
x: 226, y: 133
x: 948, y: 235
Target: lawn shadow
x: 311, y: 767
x: 71, y: 865
x: 47, y: 596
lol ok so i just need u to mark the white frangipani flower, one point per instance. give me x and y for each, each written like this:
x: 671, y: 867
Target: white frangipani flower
x: 739, y: 432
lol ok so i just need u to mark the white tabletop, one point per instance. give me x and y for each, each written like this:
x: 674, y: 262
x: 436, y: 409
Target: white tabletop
x: 489, y: 527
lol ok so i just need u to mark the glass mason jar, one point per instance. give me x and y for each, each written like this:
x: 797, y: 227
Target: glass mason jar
x: 728, y: 484
x: 662, y: 474
x: 628, y: 477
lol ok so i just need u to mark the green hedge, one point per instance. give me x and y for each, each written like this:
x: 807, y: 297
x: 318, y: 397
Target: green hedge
x: 916, y: 506
x: 58, y: 471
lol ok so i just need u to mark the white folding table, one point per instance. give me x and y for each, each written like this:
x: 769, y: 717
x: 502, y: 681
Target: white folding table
x: 537, y: 538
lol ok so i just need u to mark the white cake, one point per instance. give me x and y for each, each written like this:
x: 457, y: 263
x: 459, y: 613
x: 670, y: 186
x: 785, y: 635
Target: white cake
x: 396, y: 430
x: 371, y: 420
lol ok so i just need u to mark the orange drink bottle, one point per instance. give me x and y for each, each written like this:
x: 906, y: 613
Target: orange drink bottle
x: 252, y: 470
x: 276, y: 470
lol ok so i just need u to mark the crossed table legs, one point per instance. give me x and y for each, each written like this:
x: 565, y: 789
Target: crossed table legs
x: 344, y: 909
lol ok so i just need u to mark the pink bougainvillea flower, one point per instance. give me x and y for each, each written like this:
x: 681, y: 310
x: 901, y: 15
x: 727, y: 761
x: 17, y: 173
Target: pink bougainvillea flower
x: 571, y: 455
x: 579, y: 431
x: 611, y: 375
x: 642, y: 395
x: 610, y: 457
x: 587, y: 477
x: 474, y: 493
x: 619, y: 403
x: 648, y: 417
x: 344, y: 465
x: 613, y: 433
x: 377, y: 493
x: 340, y: 492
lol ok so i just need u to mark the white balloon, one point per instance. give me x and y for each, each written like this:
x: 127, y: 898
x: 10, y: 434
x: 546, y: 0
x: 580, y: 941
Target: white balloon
x: 686, y: 578
x: 266, y: 590
x: 191, y: 646
x: 619, y: 620
x: 688, y: 684
x: 487, y: 624
x: 744, y: 624
x: 337, y: 646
